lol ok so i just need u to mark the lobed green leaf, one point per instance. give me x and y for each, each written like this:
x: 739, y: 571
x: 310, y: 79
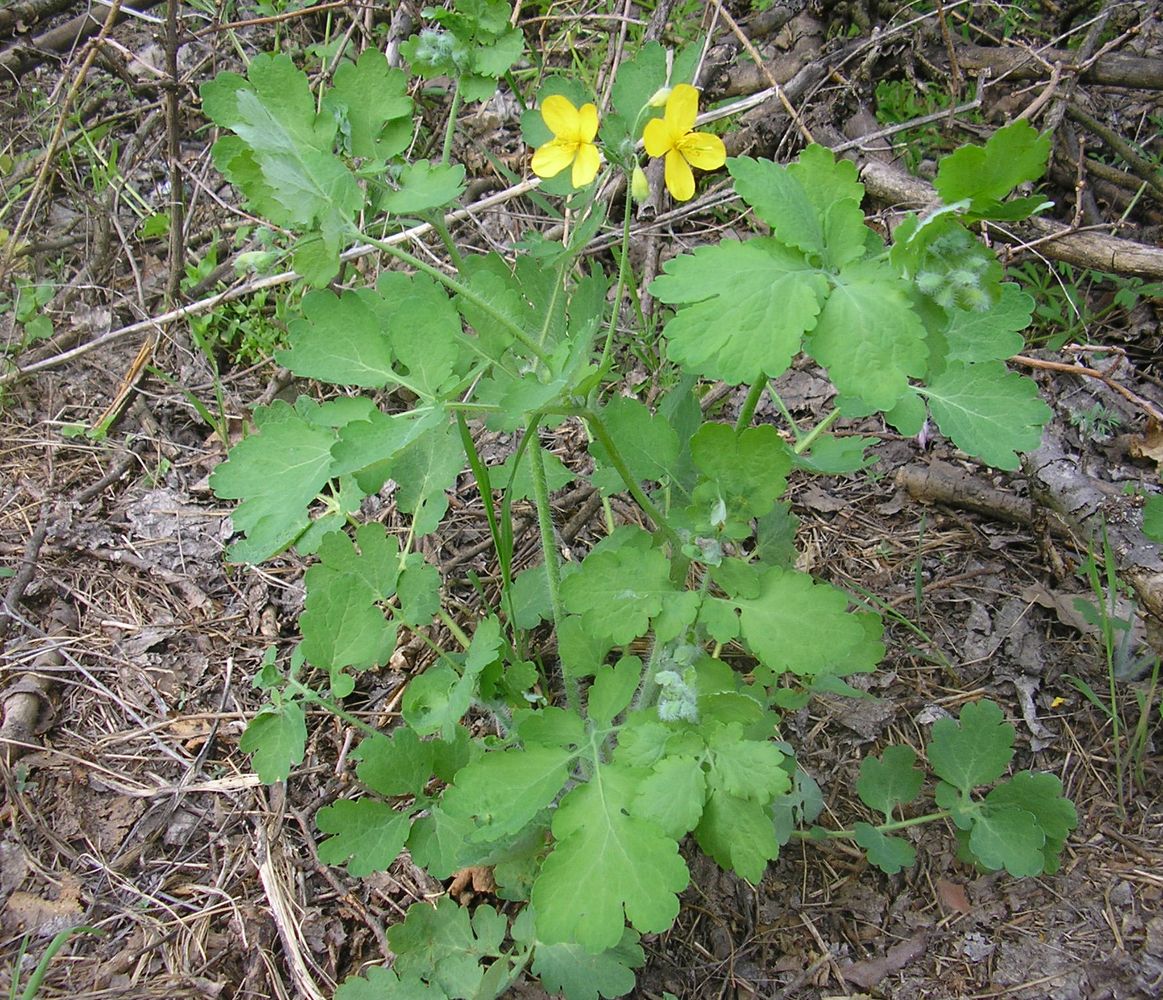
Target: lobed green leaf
x: 889, y: 780
x: 973, y: 751
x: 987, y: 411
x: 607, y: 866
x: 889, y: 854
x: 367, y: 835
x: 748, y: 306
x: 277, y: 740
x: 446, y: 946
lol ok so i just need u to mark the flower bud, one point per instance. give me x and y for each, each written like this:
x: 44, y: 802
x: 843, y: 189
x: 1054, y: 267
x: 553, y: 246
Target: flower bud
x: 659, y: 98
x: 639, y: 186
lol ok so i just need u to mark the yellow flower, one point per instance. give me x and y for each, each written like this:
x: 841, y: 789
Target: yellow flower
x: 672, y: 136
x: 572, y: 143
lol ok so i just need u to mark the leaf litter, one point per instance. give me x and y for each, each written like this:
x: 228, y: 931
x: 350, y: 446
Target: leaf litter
x: 151, y: 660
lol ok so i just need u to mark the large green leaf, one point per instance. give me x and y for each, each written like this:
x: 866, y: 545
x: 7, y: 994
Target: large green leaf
x: 277, y: 740
x: 748, y: 306
x: 812, y: 204
x: 343, y: 624
x: 987, y: 411
x: 366, y: 835
x: 983, y: 175
x: 799, y: 625
x: 281, y: 155
x: 369, y: 98
x: 869, y: 338
x: 446, y: 946
x: 973, y: 751
x: 607, y: 867
x: 276, y: 472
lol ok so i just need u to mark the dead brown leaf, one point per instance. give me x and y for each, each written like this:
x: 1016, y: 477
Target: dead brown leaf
x: 953, y: 896
x: 1148, y: 445
x: 28, y: 913
x: 868, y: 973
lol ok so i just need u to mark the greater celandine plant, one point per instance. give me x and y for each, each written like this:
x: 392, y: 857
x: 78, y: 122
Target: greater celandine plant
x: 576, y: 732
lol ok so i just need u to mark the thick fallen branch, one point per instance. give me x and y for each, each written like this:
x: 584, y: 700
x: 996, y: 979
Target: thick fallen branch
x: 1114, y: 69
x: 18, y: 59
x: 887, y: 184
x: 18, y: 16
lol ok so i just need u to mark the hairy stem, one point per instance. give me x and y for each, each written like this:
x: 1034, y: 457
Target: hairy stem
x: 623, y: 269
x: 450, y: 129
x: 552, y: 566
x: 463, y: 290
x: 804, y: 443
x: 747, y: 410
x: 901, y: 824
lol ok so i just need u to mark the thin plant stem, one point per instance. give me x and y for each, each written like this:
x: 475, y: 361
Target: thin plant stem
x: 450, y: 128
x: 310, y: 694
x: 900, y: 824
x: 552, y: 566
x: 600, y: 431
x: 747, y: 410
x: 809, y: 439
x: 437, y: 223
x: 457, y: 632
x: 463, y: 290
x: 623, y: 268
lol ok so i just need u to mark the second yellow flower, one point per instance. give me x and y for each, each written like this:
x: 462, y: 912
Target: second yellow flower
x: 673, y: 136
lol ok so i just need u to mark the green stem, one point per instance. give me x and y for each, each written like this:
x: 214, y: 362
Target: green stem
x: 747, y: 411
x: 311, y: 695
x: 786, y: 414
x: 450, y: 128
x: 901, y: 824
x: 552, y: 566
x: 623, y: 268
x: 809, y: 439
x: 458, y: 288
x: 480, y: 472
x: 457, y: 632
x: 598, y: 427
x: 437, y: 223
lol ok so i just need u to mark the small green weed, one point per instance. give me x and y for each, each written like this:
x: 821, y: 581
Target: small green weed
x: 27, y: 305
x: 32, y: 987
x: 1065, y: 300
x: 1112, y: 613
x: 239, y: 332
x: 1096, y: 423
x: 900, y: 101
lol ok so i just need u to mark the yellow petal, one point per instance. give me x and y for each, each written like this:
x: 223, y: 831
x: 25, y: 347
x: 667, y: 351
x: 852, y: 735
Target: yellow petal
x: 552, y: 158
x: 703, y: 150
x: 680, y: 182
x: 585, y: 165
x: 682, y: 108
x: 560, y: 116
x: 587, y: 123
x: 657, y: 138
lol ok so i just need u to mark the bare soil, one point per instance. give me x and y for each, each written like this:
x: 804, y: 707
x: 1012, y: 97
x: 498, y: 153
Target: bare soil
x: 129, y: 643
